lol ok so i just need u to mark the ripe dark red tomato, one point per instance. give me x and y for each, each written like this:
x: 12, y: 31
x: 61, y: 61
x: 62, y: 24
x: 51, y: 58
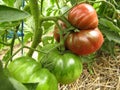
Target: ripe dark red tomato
x: 83, y: 16
x: 84, y: 42
x: 56, y: 30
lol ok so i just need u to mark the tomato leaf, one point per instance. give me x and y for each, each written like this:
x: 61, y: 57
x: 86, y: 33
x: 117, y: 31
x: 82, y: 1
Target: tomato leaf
x: 8, y: 25
x: 17, y: 85
x: 108, y: 47
x: 8, y: 14
x: 9, y: 2
x: 7, y: 82
x: 27, y: 36
x: 47, y: 40
x: 52, y: 1
x: 31, y: 86
x: 73, y: 2
x: 109, y: 24
x: 47, y: 26
x: 111, y: 35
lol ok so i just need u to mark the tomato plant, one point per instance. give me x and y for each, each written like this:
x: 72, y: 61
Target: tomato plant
x: 34, y: 20
x: 84, y: 42
x: 67, y: 67
x: 83, y: 16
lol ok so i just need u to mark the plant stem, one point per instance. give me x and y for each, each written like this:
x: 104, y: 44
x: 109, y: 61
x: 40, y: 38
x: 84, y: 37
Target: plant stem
x: 34, y: 49
x: 13, y: 41
x: 7, y: 44
x: 41, y: 8
x: 62, y: 48
x: 38, y: 31
x: 48, y: 18
x: 11, y: 57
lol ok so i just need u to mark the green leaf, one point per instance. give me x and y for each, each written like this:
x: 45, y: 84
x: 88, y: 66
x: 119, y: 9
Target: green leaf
x: 47, y: 26
x: 5, y: 83
x: 8, y: 25
x: 73, y: 2
x: 9, y: 83
x: 47, y: 40
x: 111, y: 35
x: 28, y: 36
x: 108, y: 47
x: 17, y: 85
x: 109, y: 24
x: 31, y: 86
x: 52, y: 2
x: 9, y: 2
x: 8, y: 14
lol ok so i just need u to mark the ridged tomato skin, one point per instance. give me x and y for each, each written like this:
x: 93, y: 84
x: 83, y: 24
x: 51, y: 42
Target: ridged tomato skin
x: 83, y: 16
x: 84, y: 42
x: 67, y: 67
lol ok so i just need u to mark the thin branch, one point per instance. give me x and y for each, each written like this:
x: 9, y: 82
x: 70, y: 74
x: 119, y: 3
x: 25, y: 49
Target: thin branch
x: 7, y: 44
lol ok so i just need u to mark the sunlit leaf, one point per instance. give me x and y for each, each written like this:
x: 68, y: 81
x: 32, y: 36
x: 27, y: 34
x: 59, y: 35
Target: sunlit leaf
x: 109, y: 24
x: 8, y: 14
x: 9, y: 2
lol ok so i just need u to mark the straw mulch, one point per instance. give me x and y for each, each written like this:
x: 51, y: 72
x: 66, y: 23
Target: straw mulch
x: 106, y: 75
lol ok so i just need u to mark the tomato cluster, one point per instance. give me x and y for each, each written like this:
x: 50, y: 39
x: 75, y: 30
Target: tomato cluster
x: 62, y: 68
x: 26, y: 70
x: 88, y: 39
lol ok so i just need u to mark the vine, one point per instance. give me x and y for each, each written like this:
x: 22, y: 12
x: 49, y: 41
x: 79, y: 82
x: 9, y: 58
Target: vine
x: 38, y: 31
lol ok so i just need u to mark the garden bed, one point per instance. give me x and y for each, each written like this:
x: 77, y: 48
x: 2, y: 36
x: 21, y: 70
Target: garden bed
x: 106, y: 73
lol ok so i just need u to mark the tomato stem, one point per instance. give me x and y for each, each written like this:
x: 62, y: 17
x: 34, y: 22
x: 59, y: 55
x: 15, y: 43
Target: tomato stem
x: 64, y: 19
x: 62, y: 48
x: 34, y: 49
x: 6, y: 44
x: 38, y: 31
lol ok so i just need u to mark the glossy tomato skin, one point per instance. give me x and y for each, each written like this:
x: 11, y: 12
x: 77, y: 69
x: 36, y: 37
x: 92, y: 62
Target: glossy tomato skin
x: 85, y: 42
x: 83, y: 16
x: 56, y: 33
x: 46, y: 80
x: 27, y: 70
x: 23, y: 67
x: 66, y: 67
